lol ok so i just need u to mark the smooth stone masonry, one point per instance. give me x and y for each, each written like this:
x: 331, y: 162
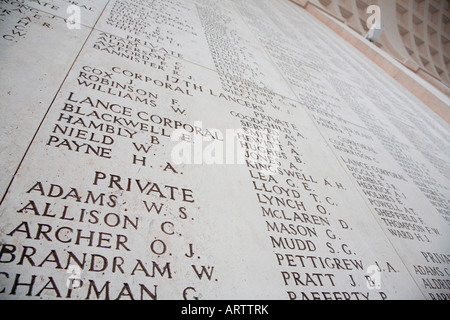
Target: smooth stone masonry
x: 34, y: 64
x: 209, y: 149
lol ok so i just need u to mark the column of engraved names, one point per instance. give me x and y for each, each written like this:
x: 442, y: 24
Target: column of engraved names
x: 151, y: 23
x: 322, y: 107
x: 299, y: 63
x: 239, y: 73
x: 380, y: 186
x: 323, y: 95
x: 89, y: 233
x: 101, y: 111
x: 24, y: 17
x: 402, y: 117
x: 73, y: 211
x: 308, y: 73
x: 307, y: 240
x: 387, y: 197
x: 383, y: 189
x: 415, y: 169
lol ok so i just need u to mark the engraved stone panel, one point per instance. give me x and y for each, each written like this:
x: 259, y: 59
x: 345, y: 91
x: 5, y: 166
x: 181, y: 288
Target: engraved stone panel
x: 34, y: 63
x: 208, y: 149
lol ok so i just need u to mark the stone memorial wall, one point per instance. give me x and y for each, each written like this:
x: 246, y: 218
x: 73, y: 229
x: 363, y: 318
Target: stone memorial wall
x: 211, y: 149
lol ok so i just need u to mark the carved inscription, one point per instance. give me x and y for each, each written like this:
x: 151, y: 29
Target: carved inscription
x: 211, y: 149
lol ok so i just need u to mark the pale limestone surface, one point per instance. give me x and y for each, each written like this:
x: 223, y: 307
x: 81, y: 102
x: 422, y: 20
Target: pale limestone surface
x: 345, y: 169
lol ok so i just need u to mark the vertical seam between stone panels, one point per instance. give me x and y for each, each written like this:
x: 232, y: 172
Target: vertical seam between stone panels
x: 50, y: 106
